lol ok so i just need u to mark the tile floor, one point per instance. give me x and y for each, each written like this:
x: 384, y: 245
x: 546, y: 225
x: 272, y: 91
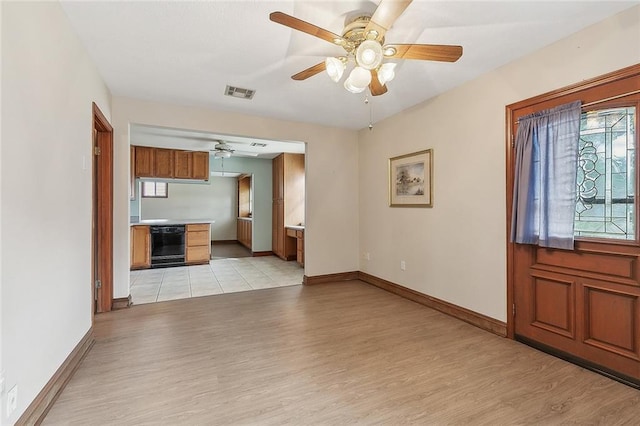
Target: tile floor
x: 224, y: 275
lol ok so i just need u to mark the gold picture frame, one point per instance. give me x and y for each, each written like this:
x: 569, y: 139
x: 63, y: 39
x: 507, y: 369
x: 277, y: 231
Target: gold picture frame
x: 411, y: 180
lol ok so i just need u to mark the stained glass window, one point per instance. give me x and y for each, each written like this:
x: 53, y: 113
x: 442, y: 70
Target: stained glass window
x: 605, y: 205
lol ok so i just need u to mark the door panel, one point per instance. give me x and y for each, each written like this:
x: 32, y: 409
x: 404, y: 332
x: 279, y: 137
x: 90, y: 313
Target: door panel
x: 553, y: 300
x: 610, y: 320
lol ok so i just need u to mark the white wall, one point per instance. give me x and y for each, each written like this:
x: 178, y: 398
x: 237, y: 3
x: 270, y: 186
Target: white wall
x: 331, y: 237
x: 262, y: 180
x: 48, y: 85
x: 217, y: 200
x: 456, y: 251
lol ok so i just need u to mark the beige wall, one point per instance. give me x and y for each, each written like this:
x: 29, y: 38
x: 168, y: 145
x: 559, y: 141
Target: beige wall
x: 48, y: 85
x: 331, y: 237
x: 456, y: 251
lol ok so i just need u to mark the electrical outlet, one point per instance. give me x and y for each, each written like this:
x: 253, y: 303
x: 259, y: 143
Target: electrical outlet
x: 403, y: 265
x: 12, y: 400
x: 367, y: 256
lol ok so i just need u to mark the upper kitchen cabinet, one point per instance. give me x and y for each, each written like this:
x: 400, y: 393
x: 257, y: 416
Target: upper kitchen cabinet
x: 144, y: 161
x: 200, y: 168
x: 163, y: 163
x: 150, y: 162
x: 183, y: 164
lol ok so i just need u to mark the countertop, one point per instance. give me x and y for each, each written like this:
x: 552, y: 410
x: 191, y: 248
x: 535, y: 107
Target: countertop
x: 296, y: 227
x: 170, y: 221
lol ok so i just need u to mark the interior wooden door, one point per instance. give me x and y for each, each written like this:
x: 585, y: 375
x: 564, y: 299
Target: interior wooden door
x: 584, y: 304
x: 102, y: 235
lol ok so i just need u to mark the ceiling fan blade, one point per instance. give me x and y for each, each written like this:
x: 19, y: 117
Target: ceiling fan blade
x: 305, y: 27
x: 309, y: 72
x: 385, y: 15
x: 426, y: 52
x: 375, y: 87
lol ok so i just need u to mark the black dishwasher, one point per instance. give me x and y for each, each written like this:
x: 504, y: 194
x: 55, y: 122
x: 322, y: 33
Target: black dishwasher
x: 167, y: 245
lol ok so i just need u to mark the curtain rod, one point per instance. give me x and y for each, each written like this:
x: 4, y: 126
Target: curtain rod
x: 622, y: 95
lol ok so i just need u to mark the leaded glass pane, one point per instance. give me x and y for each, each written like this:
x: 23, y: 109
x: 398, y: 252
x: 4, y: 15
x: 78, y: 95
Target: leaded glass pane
x: 605, y: 203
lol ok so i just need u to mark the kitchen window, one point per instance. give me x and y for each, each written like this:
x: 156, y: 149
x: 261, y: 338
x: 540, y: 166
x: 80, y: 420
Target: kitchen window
x: 152, y: 189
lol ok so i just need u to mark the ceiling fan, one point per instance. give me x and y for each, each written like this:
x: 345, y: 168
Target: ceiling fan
x: 222, y: 150
x: 364, y: 43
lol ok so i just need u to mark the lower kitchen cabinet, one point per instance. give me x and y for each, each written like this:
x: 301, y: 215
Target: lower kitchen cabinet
x: 198, y: 243
x: 140, y: 247
x: 244, y: 232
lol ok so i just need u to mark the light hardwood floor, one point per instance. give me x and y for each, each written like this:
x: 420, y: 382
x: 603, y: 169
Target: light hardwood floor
x: 343, y: 353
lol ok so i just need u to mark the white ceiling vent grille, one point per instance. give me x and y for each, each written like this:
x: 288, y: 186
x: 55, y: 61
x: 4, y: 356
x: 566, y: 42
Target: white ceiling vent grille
x: 258, y: 144
x: 239, y: 92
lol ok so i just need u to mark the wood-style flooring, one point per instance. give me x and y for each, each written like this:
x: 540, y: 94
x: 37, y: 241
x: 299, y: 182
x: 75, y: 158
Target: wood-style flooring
x: 332, y: 354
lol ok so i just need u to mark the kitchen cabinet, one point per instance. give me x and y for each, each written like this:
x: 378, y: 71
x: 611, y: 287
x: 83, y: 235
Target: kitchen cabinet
x: 144, y: 161
x: 163, y: 163
x: 278, y: 177
x: 150, y: 162
x: 244, y: 196
x: 244, y: 231
x: 182, y: 164
x: 288, y: 202
x: 200, y: 169
x: 295, y: 237
x: 198, y: 243
x: 140, y: 247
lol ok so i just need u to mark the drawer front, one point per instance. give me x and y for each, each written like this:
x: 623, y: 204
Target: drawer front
x: 198, y: 238
x: 198, y: 254
x: 198, y: 227
x: 300, y: 234
x: 291, y: 232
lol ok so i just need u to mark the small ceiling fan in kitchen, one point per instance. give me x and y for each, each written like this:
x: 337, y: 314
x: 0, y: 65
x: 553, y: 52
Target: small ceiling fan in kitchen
x: 363, y: 41
x: 222, y: 150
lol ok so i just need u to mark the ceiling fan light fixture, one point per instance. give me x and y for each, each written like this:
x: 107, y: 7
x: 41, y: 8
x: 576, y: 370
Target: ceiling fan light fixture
x: 386, y: 72
x: 348, y: 84
x: 359, y: 78
x: 369, y: 54
x: 335, y: 68
x: 222, y: 154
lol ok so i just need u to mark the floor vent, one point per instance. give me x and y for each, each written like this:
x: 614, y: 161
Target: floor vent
x: 239, y: 92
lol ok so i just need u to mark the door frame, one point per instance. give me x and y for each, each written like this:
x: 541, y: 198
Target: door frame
x: 102, y: 213
x: 617, y: 85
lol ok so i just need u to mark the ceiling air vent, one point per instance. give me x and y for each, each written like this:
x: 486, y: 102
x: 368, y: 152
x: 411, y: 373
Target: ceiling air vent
x: 258, y: 144
x: 239, y: 92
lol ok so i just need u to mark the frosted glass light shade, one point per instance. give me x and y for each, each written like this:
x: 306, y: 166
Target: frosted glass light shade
x: 386, y: 72
x: 335, y: 68
x: 348, y: 84
x: 360, y: 77
x: 222, y: 154
x: 369, y: 54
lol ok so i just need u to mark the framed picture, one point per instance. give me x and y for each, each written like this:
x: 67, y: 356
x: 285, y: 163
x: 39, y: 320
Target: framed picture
x: 411, y: 180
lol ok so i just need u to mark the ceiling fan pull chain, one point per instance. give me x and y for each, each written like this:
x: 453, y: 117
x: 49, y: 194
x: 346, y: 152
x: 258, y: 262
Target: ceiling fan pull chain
x: 368, y: 102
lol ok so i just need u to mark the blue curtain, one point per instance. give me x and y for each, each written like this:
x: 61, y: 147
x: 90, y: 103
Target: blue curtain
x: 544, y: 190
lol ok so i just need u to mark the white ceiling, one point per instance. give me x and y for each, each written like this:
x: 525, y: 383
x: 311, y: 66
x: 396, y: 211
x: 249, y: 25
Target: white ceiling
x: 187, y: 52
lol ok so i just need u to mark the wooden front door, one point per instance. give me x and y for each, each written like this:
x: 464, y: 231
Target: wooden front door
x: 584, y: 304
